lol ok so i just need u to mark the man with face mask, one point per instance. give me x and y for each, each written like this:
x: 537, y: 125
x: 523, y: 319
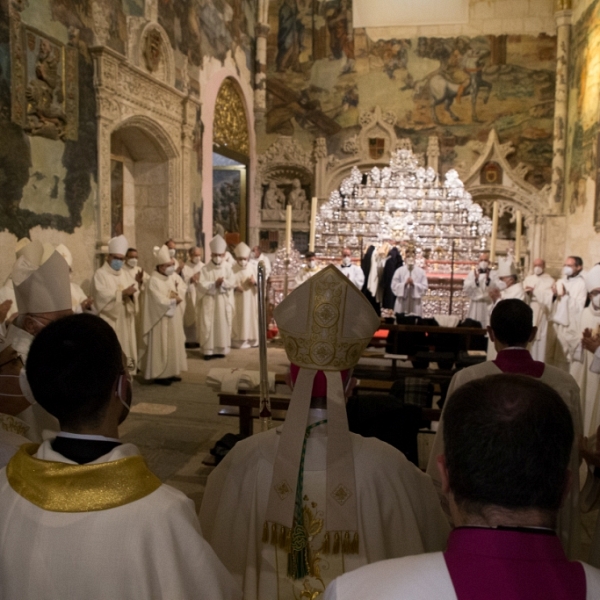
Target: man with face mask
x: 214, y: 308
x: 164, y: 355
x: 43, y: 294
x: 476, y: 287
x: 116, y: 297
x: 353, y: 272
x: 132, y: 266
x: 256, y: 256
x: 308, y: 269
x: 244, y: 332
x: 409, y: 284
x: 88, y: 504
x: 570, y: 293
x: 190, y: 275
x: 538, y: 290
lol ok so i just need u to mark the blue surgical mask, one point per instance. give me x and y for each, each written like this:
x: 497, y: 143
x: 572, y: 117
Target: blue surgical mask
x: 116, y: 264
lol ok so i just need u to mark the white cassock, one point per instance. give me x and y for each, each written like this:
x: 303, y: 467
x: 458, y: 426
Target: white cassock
x: 12, y: 437
x: 305, y: 273
x: 244, y: 330
x: 163, y: 330
x: 569, y: 523
x: 516, y: 291
x: 585, y: 369
x: 214, y: 308
x: 408, y: 297
x: 189, y: 318
x: 117, y: 311
x: 267, y: 262
x: 354, y: 273
x: 565, y: 317
x: 132, y: 272
x: 540, y: 301
x: 147, y: 548
x: 398, y: 513
x: 476, y: 287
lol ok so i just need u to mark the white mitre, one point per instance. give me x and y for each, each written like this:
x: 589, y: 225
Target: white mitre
x: 218, y: 245
x: 65, y: 253
x: 161, y: 255
x: 592, y: 278
x: 41, y: 280
x: 242, y: 250
x: 118, y: 245
x: 506, y: 268
x: 326, y: 323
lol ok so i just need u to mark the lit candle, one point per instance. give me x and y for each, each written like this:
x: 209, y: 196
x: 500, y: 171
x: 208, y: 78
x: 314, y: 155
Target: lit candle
x: 518, y: 240
x: 494, y: 232
x: 288, y: 229
x: 313, y: 224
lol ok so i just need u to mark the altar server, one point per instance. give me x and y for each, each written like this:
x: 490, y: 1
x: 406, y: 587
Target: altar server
x: 82, y: 509
x: 164, y: 357
x: 244, y: 332
x: 409, y: 284
x: 115, y: 296
x: 538, y: 288
x: 476, y: 287
x: 190, y: 275
x: 291, y: 508
x: 215, y: 303
x: 80, y: 300
x: 353, y: 272
x: 505, y: 469
x: 511, y: 329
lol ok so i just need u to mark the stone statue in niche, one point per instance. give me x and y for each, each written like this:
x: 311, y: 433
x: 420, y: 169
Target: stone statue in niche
x: 273, y: 203
x: 297, y: 196
x: 152, y: 50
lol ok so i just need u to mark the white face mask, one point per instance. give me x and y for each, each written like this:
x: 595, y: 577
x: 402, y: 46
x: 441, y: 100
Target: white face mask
x: 243, y: 262
x: 346, y: 261
x: 132, y: 262
x: 172, y: 252
x: 537, y: 270
x: 501, y: 285
x: 196, y: 260
x: 410, y: 262
x: 567, y: 271
x: 596, y: 301
x: 483, y: 265
x: 169, y: 271
x: 217, y: 260
x: 311, y: 264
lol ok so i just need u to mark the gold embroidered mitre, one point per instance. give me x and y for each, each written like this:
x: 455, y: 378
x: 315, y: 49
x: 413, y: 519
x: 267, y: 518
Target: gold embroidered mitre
x: 326, y: 323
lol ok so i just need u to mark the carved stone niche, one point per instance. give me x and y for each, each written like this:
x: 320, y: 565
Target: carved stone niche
x: 149, y: 49
x: 285, y: 176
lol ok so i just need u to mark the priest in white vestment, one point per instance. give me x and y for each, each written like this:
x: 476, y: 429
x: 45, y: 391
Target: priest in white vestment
x: 409, y: 284
x: 353, y: 272
x: 164, y: 357
x: 256, y: 256
x: 504, y: 469
x: 190, y: 275
x: 538, y: 288
x: 511, y: 330
x: 289, y: 509
x: 115, y: 296
x: 571, y: 294
x: 308, y: 269
x: 244, y: 331
x: 80, y: 300
x: 85, y: 506
x: 43, y: 295
x: 214, y: 308
x: 476, y: 287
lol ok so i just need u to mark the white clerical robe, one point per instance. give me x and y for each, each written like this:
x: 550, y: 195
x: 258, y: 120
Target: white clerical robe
x: 7, y: 292
x: 117, y: 310
x: 12, y: 437
x: 266, y: 260
x: 305, y: 273
x: 569, y: 523
x: 215, y: 309
x: 476, y: 287
x: 586, y: 377
x: 408, y: 297
x: 398, y: 513
x: 565, y: 317
x: 244, y: 331
x: 148, y: 548
x: 189, y: 318
x: 354, y: 273
x: 540, y: 300
x: 163, y: 330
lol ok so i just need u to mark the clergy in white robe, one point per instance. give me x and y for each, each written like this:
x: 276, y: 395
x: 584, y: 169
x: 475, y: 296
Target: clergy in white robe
x: 102, y: 521
x: 164, y: 356
x: 571, y: 294
x: 214, y: 308
x: 409, y: 284
x: 344, y: 500
x: 476, y: 288
x: 190, y: 275
x: 244, y: 331
x: 511, y: 330
x: 81, y: 302
x: 308, y: 269
x: 256, y: 256
x: 115, y: 296
x: 538, y: 287
x: 353, y: 272
x: 504, y: 468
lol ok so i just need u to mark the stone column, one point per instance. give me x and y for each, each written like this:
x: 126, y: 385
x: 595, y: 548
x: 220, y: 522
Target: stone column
x: 563, y: 38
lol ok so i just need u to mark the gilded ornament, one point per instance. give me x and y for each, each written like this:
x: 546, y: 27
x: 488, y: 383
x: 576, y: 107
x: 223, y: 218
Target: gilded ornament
x: 230, y: 124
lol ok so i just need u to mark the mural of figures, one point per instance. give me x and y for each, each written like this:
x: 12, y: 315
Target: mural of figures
x: 227, y: 191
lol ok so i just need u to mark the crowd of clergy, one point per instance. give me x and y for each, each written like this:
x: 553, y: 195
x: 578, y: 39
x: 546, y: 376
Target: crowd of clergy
x: 307, y: 509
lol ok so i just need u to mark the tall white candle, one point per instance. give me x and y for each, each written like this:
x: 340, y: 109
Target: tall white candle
x: 313, y: 224
x: 288, y: 229
x: 518, y: 240
x: 494, y: 232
